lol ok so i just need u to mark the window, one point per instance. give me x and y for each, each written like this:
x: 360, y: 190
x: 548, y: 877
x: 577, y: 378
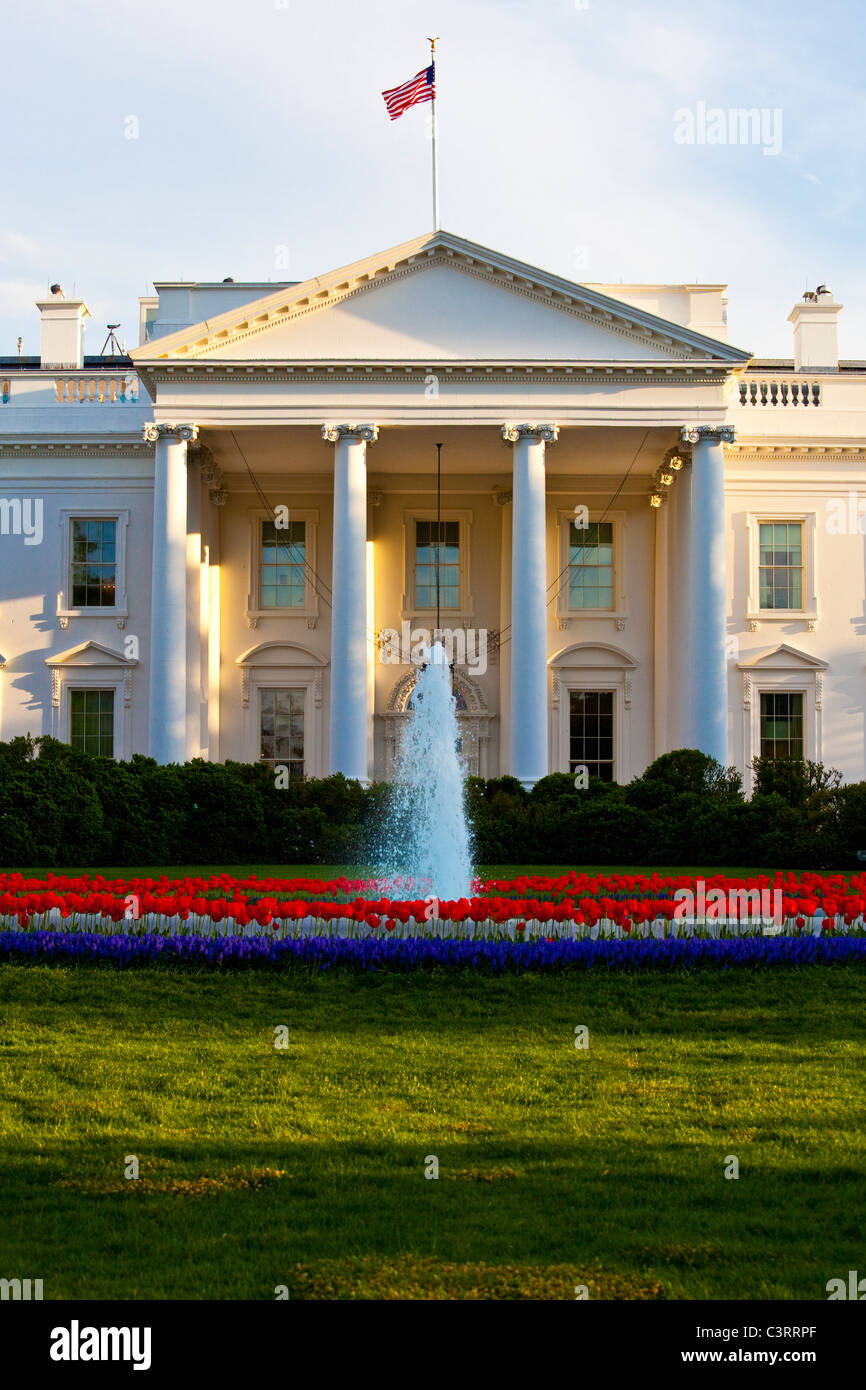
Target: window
x: 282, y: 564
x: 282, y: 729
x: 91, y: 717
x: 283, y: 582
x: 780, y: 572
x: 591, y: 732
x: 93, y: 549
x: 781, y: 724
x: 437, y: 559
x: 590, y: 565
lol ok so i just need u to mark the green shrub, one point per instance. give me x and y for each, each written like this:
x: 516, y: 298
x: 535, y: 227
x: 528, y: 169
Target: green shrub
x: 794, y: 779
x: 685, y: 770
x: 60, y: 807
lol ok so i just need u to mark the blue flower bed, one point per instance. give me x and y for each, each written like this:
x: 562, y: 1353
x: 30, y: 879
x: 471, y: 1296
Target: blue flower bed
x: 494, y: 957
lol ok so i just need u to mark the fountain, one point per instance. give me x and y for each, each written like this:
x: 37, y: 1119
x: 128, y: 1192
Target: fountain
x: 426, y: 840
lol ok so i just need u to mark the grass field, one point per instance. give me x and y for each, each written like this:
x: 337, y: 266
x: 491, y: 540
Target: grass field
x: 305, y: 1166
x: 330, y: 871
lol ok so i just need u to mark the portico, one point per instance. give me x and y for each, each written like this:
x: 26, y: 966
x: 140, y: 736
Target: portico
x: 295, y: 504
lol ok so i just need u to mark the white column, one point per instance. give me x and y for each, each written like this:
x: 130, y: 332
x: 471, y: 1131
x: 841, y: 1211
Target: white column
x: 503, y: 498
x: 212, y: 478
x: 705, y: 662
x: 349, y: 695
x: 168, y: 606
x: 661, y: 630
x: 528, y: 714
x: 194, y: 628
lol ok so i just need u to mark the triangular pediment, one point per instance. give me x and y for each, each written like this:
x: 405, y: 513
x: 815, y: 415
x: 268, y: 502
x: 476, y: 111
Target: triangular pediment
x: 90, y: 654
x: 783, y: 658
x: 437, y: 298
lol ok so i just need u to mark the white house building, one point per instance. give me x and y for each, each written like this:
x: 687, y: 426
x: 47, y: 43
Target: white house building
x: 228, y: 543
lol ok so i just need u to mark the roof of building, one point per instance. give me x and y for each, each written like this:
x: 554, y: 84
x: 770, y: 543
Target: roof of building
x: 97, y: 362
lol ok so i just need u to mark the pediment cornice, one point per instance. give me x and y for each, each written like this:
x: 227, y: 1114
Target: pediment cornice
x: 475, y: 371
x: 90, y: 654
x: 586, y: 654
x: 783, y: 658
x: 280, y: 653
x: 240, y: 327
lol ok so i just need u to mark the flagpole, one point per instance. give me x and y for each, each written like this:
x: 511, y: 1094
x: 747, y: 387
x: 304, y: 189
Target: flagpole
x: 433, y: 43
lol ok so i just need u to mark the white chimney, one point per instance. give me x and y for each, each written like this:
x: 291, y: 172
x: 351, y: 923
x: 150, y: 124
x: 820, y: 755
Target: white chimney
x: 62, y: 329
x: 816, y: 339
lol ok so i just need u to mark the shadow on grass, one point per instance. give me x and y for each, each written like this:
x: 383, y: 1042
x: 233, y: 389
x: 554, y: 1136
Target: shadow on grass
x: 306, y: 1168
x: 357, y: 1220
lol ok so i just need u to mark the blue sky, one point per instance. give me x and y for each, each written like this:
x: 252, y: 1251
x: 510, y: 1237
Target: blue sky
x: 261, y: 127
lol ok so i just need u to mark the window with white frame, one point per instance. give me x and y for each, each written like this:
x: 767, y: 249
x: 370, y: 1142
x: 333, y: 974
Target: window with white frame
x: 782, y: 583
x: 780, y: 564
x: 783, y: 706
x: 281, y: 729
x: 93, y: 561
x: 591, y: 566
x: 782, y: 724
x: 283, y: 564
x: 591, y: 732
x: 592, y: 685
x: 91, y: 721
x: 436, y: 563
x: 93, y: 581
x: 283, y: 559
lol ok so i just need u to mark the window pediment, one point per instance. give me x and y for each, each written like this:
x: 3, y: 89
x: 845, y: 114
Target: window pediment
x: 783, y: 658
x: 90, y: 654
x: 593, y: 654
x: 279, y: 654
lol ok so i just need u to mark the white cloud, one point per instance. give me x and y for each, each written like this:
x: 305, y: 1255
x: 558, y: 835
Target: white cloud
x: 17, y: 246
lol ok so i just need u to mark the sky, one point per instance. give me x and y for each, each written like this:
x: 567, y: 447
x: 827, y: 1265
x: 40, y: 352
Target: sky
x: 197, y: 139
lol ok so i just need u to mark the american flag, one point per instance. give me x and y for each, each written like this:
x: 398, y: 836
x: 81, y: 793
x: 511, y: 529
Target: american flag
x: 421, y: 87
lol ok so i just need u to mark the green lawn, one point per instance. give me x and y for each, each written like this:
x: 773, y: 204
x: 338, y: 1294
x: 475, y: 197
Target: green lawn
x: 329, y: 871
x: 557, y: 1167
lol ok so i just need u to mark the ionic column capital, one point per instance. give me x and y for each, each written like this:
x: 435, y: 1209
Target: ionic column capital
x: 547, y: 434
x: 367, y: 434
x: 153, y: 433
x: 713, y: 434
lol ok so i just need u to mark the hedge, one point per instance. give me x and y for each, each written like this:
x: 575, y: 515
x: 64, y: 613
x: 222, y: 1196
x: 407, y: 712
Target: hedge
x: 60, y: 807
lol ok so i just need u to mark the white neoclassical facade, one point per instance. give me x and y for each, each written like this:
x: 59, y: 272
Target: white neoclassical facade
x: 232, y: 542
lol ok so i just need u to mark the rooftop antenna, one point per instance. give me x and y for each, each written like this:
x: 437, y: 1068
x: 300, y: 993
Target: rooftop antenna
x: 111, y: 342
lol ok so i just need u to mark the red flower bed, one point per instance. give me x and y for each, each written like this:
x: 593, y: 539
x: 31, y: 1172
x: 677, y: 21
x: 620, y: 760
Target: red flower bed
x: 571, y: 904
